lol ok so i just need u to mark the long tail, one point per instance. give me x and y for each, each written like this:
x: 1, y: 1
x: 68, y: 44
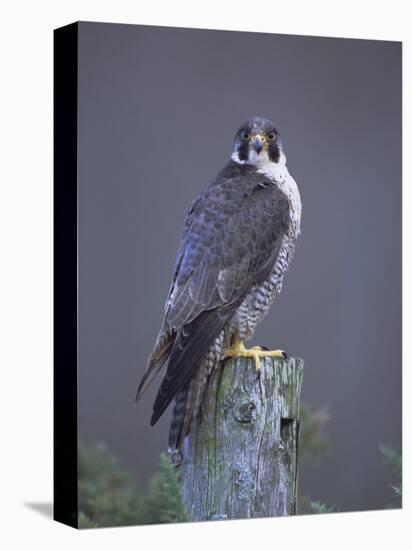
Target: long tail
x: 158, y: 357
x: 188, y: 401
x: 190, y: 348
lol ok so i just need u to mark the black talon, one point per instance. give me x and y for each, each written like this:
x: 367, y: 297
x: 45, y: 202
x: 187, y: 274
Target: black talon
x: 264, y: 348
x: 285, y: 355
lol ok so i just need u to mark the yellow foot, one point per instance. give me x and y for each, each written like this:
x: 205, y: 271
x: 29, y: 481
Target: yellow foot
x: 239, y: 350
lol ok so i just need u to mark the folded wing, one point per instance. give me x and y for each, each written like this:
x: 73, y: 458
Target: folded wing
x: 230, y: 243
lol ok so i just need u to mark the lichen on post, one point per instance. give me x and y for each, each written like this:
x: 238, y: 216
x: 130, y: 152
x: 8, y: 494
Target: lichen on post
x: 240, y: 458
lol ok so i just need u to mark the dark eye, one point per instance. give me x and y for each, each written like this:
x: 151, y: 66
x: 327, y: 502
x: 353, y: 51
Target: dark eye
x: 245, y: 134
x: 271, y: 136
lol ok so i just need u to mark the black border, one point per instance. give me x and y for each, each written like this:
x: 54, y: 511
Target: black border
x: 65, y: 274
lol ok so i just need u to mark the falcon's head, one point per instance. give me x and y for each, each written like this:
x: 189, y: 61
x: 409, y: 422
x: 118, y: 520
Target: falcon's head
x: 257, y: 143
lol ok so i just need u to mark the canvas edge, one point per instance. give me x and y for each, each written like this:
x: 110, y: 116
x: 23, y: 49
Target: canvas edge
x: 65, y: 310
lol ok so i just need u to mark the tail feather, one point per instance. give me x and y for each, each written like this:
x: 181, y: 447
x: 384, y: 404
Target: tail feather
x: 189, y: 350
x: 161, y: 351
x: 188, y: 401
x: 196, y: 389
x: 185, y: 410
x: 178, y: 418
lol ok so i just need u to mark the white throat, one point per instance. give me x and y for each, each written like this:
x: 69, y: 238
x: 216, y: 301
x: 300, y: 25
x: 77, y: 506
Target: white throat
x: 278, y: 173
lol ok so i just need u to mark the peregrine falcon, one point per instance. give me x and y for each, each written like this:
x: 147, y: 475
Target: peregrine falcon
x: 237, y: 243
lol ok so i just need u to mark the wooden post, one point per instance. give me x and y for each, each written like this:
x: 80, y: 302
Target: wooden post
x: 240, y: 458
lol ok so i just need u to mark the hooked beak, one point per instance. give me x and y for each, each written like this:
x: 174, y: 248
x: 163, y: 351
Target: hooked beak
x: 257, y: 143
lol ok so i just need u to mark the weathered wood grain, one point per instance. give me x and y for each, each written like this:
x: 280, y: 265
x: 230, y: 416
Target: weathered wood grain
x: 240, y: 458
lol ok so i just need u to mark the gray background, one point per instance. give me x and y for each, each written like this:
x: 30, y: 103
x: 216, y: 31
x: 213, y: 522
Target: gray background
x: 158, y: 108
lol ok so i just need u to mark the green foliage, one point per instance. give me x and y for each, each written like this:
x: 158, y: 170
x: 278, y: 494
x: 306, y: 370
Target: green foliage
x: 393, y: 458
x: 108, y: 495
x: 317, y: 507
x: 312, y: 440
x: 164, y: 502
x: 83, y: 522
